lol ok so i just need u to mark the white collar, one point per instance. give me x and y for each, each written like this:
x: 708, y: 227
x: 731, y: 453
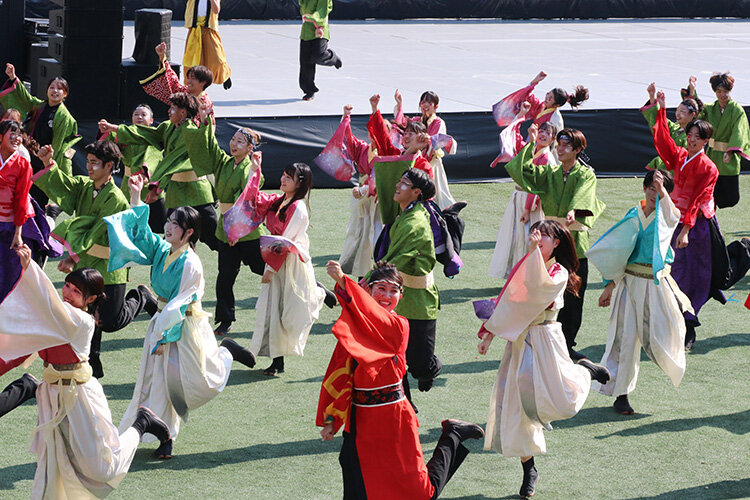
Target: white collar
x: 688, y: 160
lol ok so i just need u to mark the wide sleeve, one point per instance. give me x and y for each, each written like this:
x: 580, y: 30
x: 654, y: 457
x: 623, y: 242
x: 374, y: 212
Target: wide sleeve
x: 296, y: 228
x: 668, y: 151
x: 705, y: 176
x: 131, y: 240
x: 14, y: 95
x: 610, y: 253
x: 668, y: 217
x: 356, y: 149
x: 379, y: 133
x: 60, y: 187
x: 169, y: 321
x: 532, y: 178
x: 319, y: 16
x: 205, y: 154
x: 142, y: 134
x: 40, y: 319
x: 163, y: 83
x: 739, y: 140
x: 412, y: 248
x: 335, y: 400
x: 21, y: 206
x: 528, y: 292
x: 537, y: 106
x: 587, y: 206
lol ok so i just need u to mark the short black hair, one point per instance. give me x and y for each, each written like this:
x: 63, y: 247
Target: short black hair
x: 188, y: 218
x: 106, y: 151
x: 430, y: 96
x: 668, y: 180
x: 705, y: 129
x: 202, y: 74
x: 421, y: 180
x: 185, y: 101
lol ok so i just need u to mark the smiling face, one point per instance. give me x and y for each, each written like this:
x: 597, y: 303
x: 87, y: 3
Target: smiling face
x: 694, y: 142
x: 56, y: 93
x: 547, y: 246
x: 193, y: 86
x: 683, y: 115
x: 174, y: 234
x: 722, y: 95
x: 289, y: 184
x: 565, y: 152
x: 239, y: 146
x: 10, y: 142
x: 405, y: 192
x: 544, y: 138
x: 549, y: 100
x: 74, y: 296
x: 177, y: 115
x: 428, y: 108
x: 97, y: 169
x: 142, y: 116
x: 386, y: 294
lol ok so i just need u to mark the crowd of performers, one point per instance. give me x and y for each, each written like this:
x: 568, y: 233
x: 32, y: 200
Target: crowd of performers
x: 404, y: 221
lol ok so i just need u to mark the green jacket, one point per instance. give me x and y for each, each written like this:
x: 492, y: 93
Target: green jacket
x: 318, y: 10
x: 229, y: 180
x: 84, y: 234
x: 174, y: 173
x: 675, y: 131
x: 730, y: 128
x: 559, y: 196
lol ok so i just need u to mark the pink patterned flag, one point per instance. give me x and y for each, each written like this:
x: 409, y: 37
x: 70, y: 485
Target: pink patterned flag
x: 243, y: 218
x: 444, y: 142
x: 334, y: 159
x: 507, y: 108
x: 509, y: 143
x: 274, y: 250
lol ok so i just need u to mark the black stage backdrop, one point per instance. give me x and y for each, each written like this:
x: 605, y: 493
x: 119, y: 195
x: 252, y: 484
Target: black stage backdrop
x: 619, y: 142
x: 449, y: 9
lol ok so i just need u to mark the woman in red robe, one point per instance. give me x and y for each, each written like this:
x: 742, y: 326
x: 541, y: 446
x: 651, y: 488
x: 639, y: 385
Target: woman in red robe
x: 381, y: 456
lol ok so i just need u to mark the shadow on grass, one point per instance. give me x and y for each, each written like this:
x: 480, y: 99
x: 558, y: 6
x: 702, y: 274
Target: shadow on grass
x: 704, y: 346
x: 109, y: 345
x: 322, y: 260
x: 478, y: 366
x: 460, y: 295
x: 478, y: 245
x: 598, y: 415
x: 710, y: 491
x: 322, y: 328
x: 21, y: 472
x: 595, y: 352
x: 481, y: 497
x: 118, y: 391
x: 736, y: 423
x: 246, y: 303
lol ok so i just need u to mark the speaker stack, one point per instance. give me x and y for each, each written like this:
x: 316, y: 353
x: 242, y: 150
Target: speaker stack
x: 85, y: 48
x: 152, y: 26
x: 11, y: 34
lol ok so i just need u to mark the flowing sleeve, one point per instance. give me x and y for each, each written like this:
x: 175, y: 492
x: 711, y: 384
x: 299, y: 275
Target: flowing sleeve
x: 296, y: 229
x: 668, y: 217
x: 131, y: 240
x: 610, y: 253
x: 40, y: 318
x: 532, y: 178
x: 587, y: 206
x: 357, y: 149
x: 169, y: 321
x: 528, y: 292
x: 335, y: 400
x: 379, y: 133
x: 705, y: 177
x: 668, y: 151
x: 60, y: 187
x: 249, y: 210
x: 163, y: 83
x: 14, y: 95
x: 739, y: 140
x: 536, y: 105
x: 22, y: 207
x: 205, y: 153
x: 142, y: 134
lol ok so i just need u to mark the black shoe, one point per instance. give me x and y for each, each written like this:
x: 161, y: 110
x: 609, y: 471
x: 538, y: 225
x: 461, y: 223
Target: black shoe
x: 223, y: 328
x: 239, y: 353
x: 164, y: 451
x: 146, y: 421
x: 330, y: 299
x: 308, y: 97
x: 598, y: 372
x: 52, y: 210
x: 227, y: 84
x: 622, y: 405
x: 689, y: 337
x: 338, y: 63
x: 277, y: 367
x: 425, y: 384
x: 530, y: 478
x: 464, y: 430
x: 150, y: 303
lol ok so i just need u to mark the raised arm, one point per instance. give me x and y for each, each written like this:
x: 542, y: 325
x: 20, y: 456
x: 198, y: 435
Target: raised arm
x: 668, y: 151
x: 205, y: 153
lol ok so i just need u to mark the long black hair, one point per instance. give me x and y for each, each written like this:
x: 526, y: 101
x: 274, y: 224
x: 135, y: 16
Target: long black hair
x: 564, y: 253
x: 90, y: 282
x: 300, y: 172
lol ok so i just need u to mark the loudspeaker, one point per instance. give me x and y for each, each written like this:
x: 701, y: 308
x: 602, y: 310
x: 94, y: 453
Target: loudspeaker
x: 131, y: 91
x: 100, y: 21
x: 152, y: 26
x: 91, y: 96
x: 92, y: 51
x: 35, y: 52
x: 11, y: 34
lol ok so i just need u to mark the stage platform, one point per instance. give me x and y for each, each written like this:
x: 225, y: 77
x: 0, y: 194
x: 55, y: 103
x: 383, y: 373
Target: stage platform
x: 471, y: 64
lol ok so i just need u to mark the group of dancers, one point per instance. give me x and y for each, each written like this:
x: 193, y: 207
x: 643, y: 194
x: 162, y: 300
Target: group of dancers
x: 660, y: 263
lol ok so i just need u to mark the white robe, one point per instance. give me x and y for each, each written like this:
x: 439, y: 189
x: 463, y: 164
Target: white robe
x: 512, y: 235
x: 288, y: 306
x: 79, y: 452
x: 443, y: 196
x: 361, y: 234
x: 537, y: 382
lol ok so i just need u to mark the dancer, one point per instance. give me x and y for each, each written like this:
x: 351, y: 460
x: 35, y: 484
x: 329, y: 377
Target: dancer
x: 174, y: 174
x: 686, y: 112
x: 203, y: 45
x: 428, y: 104
x: 634, y: 257
x: 14, y: 115
x: 730, y: 139
x: 362, y: 392
x: 568, y: 196
x: 182, y: 368
x: 230, y: 172
x: 165, y: 82
x: 22, y: 221
x: 289, y: 299
x: 525, y: 314
x: 79, y: 451
x: 84, y: 234
x: 523, y: 209
x: 313, y: 47
x: 139, y: 157
x: 47, y: 122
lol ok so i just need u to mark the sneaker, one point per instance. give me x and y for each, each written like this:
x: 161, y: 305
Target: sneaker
x: 223, y: 328
x: 622, y: 405
x: 239, y: 353
x: 464, y: 430
x: 598, y: 372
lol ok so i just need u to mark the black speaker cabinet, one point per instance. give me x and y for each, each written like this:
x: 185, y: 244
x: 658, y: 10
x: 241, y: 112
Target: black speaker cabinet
x: 85, y: 50
x: 34, y: 53
x: 131, y: 91
x: 99, y: 21
x: 12, y: 34
x: 94, y: 90
x: 152, y: 26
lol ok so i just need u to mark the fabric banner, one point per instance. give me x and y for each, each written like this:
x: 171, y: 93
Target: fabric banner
x: 388, y: 170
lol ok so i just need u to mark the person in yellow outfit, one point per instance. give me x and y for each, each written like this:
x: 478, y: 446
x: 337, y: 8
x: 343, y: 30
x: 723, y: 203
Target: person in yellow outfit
x: 203, y: 45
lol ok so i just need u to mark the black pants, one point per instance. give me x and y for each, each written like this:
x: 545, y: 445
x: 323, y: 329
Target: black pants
x: 420, y: 353
x: 448, y: 456
x: 571, y: 314
x: 230, y: 260
x: 157, y: 216
x: 114, y: 313
x: 17, y: 392
x: 209, y: 220
x: 312, y: 52
x: 727, y: 191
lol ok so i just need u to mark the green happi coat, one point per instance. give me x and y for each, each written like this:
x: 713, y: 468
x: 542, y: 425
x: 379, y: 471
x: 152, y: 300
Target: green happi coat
x: 560, y: 196
x: 174, y: 173
x: 229, y: 179
x: 84, y: 234
x: 64, y: 127
x: 412, y: 251
x: 318, y: 10
x: 675, y: 131
x: 134, y: 158
x: 731, y: 133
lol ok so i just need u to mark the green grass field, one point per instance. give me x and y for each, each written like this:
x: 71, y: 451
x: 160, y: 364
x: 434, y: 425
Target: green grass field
x: 258, y: 440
